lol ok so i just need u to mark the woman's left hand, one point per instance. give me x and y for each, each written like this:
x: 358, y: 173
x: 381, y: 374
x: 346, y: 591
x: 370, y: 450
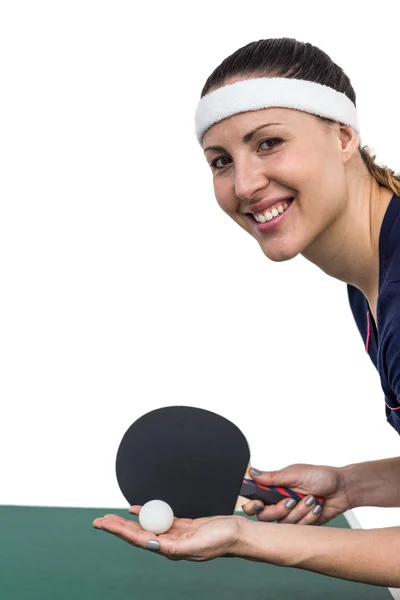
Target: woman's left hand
x: 188, y: 539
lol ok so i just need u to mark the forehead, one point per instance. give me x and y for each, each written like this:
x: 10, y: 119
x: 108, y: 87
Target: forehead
x: 239, y: 125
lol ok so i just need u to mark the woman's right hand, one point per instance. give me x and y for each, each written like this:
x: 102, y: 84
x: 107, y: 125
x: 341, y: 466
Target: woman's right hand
x: 314, y: 481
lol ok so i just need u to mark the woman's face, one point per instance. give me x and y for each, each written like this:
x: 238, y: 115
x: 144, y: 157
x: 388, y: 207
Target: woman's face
x: 269, y: 156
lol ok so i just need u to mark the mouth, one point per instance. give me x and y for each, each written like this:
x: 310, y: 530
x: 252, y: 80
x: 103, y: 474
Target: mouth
x: 272, y: 213
x: 269, y: 220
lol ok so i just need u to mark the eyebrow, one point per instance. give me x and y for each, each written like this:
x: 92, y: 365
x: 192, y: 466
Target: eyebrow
x: 247, y: 138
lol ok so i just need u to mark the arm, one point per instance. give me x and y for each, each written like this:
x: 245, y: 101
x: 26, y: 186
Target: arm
x: 370, y: 556
x: 374, y: 483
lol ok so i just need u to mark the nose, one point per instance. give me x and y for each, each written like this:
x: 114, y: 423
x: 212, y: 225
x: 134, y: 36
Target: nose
x: 249, y: 179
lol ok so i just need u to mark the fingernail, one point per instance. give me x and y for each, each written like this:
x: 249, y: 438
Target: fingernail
x: 310, y: 501
x: 290, y: 503
x: 317, y: 509
x: 257, y: 508
x: 153, y: 545
x: 255, y: 472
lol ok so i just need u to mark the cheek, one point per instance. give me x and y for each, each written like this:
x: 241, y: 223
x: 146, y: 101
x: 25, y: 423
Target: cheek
x: 316, y: 170
x: 225, y: 196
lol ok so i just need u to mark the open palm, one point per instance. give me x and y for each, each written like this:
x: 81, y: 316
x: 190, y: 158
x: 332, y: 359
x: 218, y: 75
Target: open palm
x: 188, y: 539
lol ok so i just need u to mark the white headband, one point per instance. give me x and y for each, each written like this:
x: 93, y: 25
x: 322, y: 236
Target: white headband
x: 255, y: 94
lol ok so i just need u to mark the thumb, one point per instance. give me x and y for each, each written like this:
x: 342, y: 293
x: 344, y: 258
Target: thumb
x: 279, y: 478
x: 275, y: 479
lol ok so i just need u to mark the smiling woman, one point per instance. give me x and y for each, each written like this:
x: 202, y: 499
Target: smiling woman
x: 262, y: 158
x: 278, y: 124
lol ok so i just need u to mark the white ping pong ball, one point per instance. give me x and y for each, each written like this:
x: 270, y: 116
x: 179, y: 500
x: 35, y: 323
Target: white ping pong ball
x: 156, y: 516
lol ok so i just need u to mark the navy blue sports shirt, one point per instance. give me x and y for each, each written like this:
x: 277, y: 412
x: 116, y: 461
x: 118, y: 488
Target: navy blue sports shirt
x: 383, y: 346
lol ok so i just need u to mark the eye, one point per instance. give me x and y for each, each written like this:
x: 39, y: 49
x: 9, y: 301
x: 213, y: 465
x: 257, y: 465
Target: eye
x: 220, y: 162
x: 273, y: 141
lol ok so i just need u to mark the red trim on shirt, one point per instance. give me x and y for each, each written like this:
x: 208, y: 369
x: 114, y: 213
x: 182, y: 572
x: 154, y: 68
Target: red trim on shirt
x: 391, y: 407
x: 367, y: 347
x: 368, y: 332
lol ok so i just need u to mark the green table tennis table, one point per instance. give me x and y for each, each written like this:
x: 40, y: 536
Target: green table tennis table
x: 56, y: 554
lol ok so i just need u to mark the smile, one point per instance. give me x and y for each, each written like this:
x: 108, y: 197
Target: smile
x: 268, y: 215
x: 270, y: 220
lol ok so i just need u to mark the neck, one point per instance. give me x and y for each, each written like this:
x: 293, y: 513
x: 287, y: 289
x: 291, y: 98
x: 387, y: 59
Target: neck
x: 349, y: 249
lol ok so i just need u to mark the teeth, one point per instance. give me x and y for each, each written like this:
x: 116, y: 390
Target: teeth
x: 267, y: 216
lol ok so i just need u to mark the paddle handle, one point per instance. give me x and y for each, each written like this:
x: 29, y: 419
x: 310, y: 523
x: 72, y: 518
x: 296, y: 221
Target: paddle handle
x: 270, y: 495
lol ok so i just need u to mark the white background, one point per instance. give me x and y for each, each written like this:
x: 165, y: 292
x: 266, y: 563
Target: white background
x: 123, y: 285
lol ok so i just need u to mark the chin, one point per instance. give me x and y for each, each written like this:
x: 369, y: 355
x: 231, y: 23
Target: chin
x: 279, y: 253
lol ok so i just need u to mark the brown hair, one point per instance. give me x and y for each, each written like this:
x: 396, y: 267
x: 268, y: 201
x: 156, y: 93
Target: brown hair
x: 287, y: 57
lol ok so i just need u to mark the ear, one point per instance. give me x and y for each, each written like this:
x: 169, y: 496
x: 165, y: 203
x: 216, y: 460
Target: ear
x: 349, y: 142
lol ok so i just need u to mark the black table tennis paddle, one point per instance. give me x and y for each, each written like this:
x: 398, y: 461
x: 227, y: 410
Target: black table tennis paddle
x: 194, y: 459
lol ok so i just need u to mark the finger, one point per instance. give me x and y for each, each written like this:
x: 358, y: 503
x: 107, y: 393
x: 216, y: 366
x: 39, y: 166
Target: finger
x: 313, y: 517
x: 108, y: 516
x: 285, y: 478
x: 178, y: 524
x: 135, y: 509
x: 131, y: 532
x: 100, y: 521
x: 97, y: 522
x: 302, y: 510
x: 253, y: 507
x: 277, y: 512
x: 282, y: 478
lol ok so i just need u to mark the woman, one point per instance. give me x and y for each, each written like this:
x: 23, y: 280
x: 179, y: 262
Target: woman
x: 278, y: 125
